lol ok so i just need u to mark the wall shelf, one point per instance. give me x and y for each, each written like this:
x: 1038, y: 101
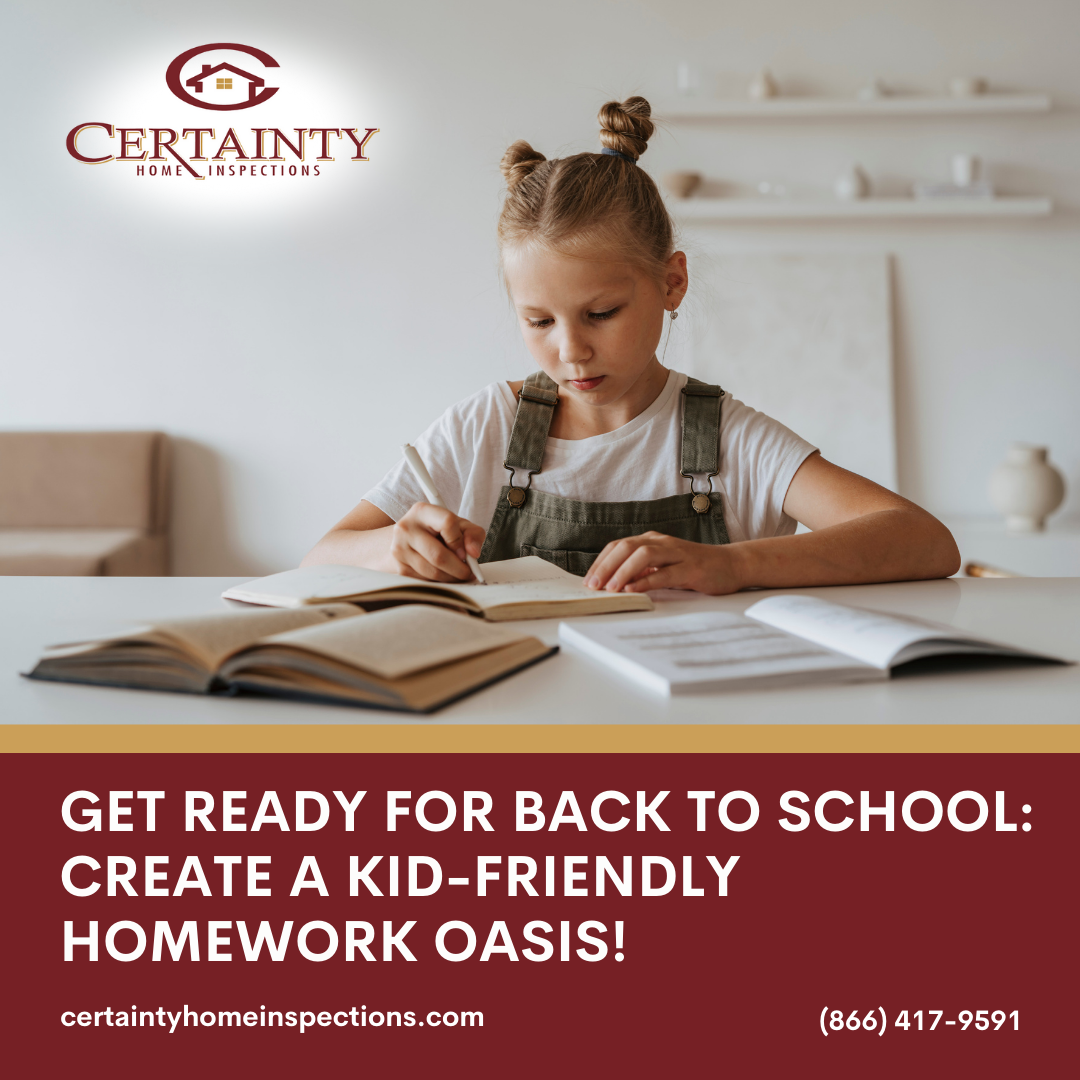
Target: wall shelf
x: 826, y: 209
x: 840, y: 108
x: 1053, y: 553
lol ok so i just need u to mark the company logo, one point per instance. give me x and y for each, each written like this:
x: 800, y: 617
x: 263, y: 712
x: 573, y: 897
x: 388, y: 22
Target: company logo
x: 216, y: 85
x: 201, y: 153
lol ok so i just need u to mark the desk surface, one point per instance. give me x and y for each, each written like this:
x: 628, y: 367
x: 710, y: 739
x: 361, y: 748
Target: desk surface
x: 569, y: 689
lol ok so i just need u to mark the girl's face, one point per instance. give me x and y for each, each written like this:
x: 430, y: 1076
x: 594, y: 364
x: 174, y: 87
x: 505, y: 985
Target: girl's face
x: 592, y: 325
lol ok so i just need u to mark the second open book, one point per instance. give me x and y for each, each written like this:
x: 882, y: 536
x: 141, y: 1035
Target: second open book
x: 408, y: 657
x: 527, y: 588
x: 779, y: 641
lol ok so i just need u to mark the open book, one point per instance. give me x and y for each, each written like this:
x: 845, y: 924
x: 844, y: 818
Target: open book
x: 779, y: 641
x: 527, y: 588
x: 409, y: 657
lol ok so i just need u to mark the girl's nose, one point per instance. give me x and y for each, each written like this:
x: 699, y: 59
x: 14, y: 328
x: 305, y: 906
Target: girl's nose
x: 574, y: 348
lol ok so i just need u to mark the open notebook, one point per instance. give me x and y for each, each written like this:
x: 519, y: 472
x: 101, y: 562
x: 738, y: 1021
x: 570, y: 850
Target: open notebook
x: 779, y: 641
x: 527, y: 588
x: 408, y: 657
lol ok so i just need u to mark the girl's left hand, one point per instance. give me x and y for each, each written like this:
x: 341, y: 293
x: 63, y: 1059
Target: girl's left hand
x: 656, y: 561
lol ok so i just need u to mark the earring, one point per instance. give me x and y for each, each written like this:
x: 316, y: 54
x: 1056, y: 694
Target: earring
x: 674, y: 314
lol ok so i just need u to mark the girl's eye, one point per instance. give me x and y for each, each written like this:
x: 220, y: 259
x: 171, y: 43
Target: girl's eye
x: 599, y: 316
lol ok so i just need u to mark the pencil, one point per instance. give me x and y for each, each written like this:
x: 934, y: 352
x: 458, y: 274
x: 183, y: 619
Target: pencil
x: 423, y: 478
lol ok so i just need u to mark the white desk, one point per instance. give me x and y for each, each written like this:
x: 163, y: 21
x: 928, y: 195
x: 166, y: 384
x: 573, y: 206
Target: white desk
x: 1039, y: 613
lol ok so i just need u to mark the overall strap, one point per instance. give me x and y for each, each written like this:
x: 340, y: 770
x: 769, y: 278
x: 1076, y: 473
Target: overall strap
x: 537, y: 399
x: 701, y: 429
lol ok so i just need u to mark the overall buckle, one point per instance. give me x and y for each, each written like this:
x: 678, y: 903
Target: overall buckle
x: 700, y: 501
x: 516, y: 495
x: 539, y: 395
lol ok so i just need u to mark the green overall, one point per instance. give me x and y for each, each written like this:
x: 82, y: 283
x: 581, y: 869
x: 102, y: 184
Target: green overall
x: 571, y: 534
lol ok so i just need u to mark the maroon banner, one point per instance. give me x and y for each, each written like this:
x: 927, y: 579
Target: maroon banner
x: 541, y: 914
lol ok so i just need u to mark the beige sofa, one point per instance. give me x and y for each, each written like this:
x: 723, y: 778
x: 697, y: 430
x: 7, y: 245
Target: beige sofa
x: 84, y: 503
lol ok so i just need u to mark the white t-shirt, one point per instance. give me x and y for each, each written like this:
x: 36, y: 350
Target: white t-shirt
x: 464, y: 451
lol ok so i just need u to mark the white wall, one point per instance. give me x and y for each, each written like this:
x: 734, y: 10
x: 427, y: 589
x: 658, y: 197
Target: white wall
x: 291, y: 342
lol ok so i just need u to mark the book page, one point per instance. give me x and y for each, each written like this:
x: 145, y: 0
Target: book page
x: 521, y: 581
x: 398, y: 641
x: 312, y: 583
x: 217, y: 636
x: 526, y: 580
x: 210, y: 638
x: 531, y: 568
x: 874, y: 637
x: 714, y: 647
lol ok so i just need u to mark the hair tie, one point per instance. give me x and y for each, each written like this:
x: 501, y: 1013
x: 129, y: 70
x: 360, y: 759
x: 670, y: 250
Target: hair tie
x: 618, y: 153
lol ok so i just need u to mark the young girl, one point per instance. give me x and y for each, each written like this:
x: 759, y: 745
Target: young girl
x: 619, y: 470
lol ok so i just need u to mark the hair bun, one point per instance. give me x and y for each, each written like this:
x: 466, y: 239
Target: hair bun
x: 625, y: 126
x: 518, y: 162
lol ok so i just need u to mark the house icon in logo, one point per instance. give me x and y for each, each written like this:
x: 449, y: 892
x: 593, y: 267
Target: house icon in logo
x: 225, y: 81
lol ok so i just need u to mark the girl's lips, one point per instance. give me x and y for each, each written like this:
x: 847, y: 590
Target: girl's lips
x: 587, y: 384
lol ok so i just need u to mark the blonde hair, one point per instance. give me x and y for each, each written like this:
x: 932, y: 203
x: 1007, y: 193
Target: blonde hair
x: 589, y: 202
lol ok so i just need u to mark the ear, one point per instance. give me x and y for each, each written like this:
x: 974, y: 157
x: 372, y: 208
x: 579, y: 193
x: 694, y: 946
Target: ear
x: 676, y: 282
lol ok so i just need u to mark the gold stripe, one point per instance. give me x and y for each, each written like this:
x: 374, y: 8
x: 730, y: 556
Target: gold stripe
x: 539, y: 739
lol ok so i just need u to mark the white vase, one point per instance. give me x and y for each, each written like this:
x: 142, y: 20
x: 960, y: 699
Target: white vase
x: 965, y: 169
x: 874, y: 90
x: 967, y: 86
x: 687, y: 79
x: 762, y: 86
x: 1025, y: 487
x: 852, y: 184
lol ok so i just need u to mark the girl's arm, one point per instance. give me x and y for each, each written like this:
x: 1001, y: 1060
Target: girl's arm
x: 428, y: 542
x: 861, y: 533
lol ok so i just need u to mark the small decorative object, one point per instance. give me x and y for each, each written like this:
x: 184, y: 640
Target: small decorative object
x: 873, y: 90
x: 967, y: 86
x: 1025, y: 487
x: 682, y: 184
x: 965, y: 183
x: 772, y: 189
x: 852, y: 184
x: 687, y: 79
x: 763, y: 86
x: 965, y: 169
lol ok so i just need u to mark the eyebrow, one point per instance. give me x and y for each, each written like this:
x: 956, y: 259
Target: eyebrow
x: 530, y: 307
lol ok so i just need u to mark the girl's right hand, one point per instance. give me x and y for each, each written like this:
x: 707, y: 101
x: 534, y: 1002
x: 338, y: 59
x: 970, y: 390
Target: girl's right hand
x: 430, y: 543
